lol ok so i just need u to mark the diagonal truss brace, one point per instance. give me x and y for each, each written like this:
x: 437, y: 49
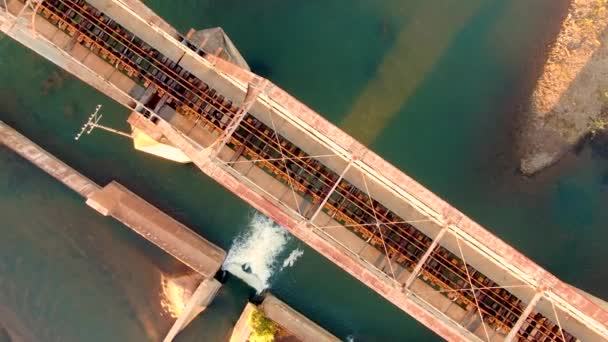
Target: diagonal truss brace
x: 254, y: 89
x: 425, y: 257
x: 524, y: 315
x: 16, y: 17
x: 331, y: 191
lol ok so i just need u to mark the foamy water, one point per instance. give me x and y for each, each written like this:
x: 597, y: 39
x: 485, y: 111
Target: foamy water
x: 254, y: 254
x: 292, y: 258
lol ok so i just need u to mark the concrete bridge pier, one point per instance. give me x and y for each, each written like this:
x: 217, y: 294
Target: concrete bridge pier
x: 170, y: 235
x: 201, y: 298
x: 293, y: 325
x: 288, y: 162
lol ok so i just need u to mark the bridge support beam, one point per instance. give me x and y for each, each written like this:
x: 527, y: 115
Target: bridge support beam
x: 254, y: 89
x: 425, y: 257
x: 524, y: 315
x: 331, y: 191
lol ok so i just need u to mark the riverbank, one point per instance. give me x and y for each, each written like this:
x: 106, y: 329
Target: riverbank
x: 570, y: 100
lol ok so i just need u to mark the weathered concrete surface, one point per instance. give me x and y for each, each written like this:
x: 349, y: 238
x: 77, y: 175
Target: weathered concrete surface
x: 145, y: 143
x: 12, y: 328
x: 45, y: 161
x: 159, y: 228
x: 149, y: 16
x: 201, y: 298
x: 242, y: 329
x: 294, y: 322
x: 572, y: 92
x: 599, y: 301
x: 214, y: 40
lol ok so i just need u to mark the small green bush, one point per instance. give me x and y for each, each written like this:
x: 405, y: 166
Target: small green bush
x: 264, y: 329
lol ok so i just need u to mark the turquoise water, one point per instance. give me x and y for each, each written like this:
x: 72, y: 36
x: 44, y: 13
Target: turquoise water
x: 446, y: 78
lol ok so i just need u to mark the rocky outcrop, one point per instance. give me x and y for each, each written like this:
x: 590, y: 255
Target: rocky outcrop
x: 572, y: 92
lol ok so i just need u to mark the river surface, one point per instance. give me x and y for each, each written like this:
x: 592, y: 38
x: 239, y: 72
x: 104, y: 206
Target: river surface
x: 433, y: 86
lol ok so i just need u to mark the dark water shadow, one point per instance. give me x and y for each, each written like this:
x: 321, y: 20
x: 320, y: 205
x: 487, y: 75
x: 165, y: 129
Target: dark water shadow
x: 599, y: 145
x: 260, y: 67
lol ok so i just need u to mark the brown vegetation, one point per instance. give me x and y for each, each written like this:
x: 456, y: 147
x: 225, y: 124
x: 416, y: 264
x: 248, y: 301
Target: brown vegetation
x: 572, y: 93
x: 575, y: 46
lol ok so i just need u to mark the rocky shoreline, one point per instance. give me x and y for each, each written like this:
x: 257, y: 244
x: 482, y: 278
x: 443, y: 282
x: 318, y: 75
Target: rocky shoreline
x: 569, y: 103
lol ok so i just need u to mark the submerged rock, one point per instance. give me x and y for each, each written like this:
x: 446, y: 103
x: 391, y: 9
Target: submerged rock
x: 572, y: 90
x: 538, y: 161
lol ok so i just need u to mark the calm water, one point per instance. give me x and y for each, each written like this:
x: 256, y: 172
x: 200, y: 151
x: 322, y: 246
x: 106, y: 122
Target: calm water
x: 443, y: 80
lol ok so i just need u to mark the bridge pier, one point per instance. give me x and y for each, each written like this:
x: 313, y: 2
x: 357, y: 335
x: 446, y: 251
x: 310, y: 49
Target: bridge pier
x: 201, y: 298
x: 296, y: 326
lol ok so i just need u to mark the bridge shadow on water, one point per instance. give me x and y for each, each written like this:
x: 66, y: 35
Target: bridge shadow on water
x: 417, y: 48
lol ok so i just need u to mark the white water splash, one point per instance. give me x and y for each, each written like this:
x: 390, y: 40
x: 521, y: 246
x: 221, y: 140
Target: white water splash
x: 350, y: 338
x: 292, y: 258
x: 253, y: 254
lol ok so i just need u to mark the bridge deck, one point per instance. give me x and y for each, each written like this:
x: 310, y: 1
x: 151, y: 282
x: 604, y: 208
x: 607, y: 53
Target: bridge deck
x: 326, y: 188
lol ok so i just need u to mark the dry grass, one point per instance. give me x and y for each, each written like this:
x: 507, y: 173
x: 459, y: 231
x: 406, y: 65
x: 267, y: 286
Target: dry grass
x: 576, y: 44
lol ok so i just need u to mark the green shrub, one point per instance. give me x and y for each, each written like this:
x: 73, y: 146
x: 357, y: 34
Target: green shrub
x: 264, y: 329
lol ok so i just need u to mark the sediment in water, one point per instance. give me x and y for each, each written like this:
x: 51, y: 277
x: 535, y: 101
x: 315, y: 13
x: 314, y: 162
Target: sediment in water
x: 572, y: 91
